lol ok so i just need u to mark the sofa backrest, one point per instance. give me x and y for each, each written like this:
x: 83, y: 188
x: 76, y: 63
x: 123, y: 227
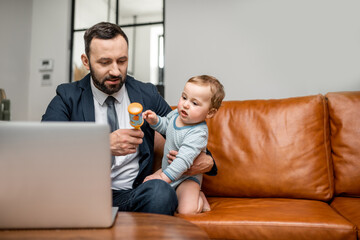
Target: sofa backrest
x: 344, y: 112
x: 271, y: 148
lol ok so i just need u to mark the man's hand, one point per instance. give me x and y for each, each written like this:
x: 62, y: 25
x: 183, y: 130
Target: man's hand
x: 158, y: 175
x: 202, y: 164
x: 125, y: 141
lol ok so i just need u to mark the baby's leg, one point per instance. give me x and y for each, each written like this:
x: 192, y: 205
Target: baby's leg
x: 206, y: 206
x: 190, y: 202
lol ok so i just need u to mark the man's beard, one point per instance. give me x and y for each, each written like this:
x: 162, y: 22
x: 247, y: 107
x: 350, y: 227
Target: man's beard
x: 101, y: 84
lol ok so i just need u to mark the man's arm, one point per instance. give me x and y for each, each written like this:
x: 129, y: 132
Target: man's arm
x: 158, y: 175
x: 204, y: 163
x: 213, y: 170
x: 57, y: 109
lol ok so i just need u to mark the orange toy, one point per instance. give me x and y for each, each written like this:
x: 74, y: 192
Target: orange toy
x: 135, y: 113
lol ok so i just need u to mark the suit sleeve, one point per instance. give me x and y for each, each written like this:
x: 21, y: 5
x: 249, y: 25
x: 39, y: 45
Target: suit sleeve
x: 58, y: 109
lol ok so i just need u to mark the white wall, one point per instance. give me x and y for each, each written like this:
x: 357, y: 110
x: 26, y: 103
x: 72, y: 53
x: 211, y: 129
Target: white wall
x: 15, y: 27
x: 32, y: 30
x: 50, y: 38
x: 263, y: 49
x: 257, y: 48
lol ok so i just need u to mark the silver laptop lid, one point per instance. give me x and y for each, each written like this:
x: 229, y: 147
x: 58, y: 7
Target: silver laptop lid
x: 54, y: 175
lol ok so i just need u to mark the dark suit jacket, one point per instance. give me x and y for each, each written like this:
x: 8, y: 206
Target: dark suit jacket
x: 74, y: 102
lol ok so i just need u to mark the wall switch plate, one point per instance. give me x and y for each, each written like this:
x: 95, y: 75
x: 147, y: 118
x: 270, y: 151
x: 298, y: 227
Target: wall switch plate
x: 46, y: 64
x: 46, y: 79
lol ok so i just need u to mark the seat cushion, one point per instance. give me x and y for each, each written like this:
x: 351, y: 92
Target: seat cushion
x: 349, y: 208
x: 344, y: 112
x: 248, y: 218
x: 271, y: 148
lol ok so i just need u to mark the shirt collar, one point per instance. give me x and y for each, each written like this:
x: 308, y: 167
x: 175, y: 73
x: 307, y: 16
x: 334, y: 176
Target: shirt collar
x: 100, y: 96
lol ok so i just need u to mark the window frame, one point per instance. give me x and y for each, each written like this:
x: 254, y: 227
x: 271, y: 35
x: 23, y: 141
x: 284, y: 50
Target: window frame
x: 117, y: 15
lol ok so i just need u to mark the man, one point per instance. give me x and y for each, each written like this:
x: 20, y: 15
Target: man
x: 106, y: 56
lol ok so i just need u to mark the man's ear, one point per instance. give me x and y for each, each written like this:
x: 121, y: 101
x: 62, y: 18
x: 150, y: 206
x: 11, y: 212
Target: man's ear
x: 211, y: 113
x: 85, y: 61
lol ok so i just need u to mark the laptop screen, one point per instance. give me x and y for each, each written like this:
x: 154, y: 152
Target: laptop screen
x: 54, y: 175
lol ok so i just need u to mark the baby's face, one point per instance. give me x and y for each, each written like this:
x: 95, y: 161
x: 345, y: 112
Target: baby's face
x: 194, y: 103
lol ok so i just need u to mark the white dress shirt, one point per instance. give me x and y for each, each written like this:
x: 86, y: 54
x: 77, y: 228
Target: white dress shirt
x: 125, y: 168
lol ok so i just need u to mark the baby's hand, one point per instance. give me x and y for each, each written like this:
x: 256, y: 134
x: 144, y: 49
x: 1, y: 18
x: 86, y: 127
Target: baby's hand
x: 150, y: 117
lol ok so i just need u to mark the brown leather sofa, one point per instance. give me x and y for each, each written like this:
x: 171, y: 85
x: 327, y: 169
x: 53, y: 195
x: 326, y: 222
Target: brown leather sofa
x: 287, y: 169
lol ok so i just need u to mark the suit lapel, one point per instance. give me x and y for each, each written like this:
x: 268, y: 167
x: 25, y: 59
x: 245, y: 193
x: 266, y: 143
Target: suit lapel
x: 133, y: 91
x: 87, y: 101
x: 135, y: 95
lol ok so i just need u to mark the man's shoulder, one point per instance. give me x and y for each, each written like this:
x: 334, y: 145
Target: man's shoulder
x: 76, y: 86
x: 147, y: 95
x: 131, y: 81
x: 145, y: 90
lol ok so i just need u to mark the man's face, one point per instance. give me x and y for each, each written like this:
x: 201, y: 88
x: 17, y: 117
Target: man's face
x: 108, y: 63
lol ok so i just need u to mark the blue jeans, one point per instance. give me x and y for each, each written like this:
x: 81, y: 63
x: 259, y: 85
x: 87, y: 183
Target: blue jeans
x: 154, y: 196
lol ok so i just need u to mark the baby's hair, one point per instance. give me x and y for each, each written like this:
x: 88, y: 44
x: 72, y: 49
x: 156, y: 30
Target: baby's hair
x: 217, y: 89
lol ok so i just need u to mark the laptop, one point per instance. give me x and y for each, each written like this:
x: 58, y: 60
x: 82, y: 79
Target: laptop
x: 55, y: 175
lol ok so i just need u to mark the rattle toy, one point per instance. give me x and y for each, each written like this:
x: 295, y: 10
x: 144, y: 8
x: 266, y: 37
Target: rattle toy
x: 135, y: 110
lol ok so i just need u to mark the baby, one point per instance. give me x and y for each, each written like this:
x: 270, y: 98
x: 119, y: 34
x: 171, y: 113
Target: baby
x: 186, y: 132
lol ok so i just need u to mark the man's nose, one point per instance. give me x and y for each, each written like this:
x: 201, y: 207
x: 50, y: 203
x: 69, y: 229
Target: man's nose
x: 114, y: 71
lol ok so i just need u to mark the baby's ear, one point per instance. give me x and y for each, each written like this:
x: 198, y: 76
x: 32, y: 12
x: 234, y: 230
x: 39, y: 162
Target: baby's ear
x: 211, y: 113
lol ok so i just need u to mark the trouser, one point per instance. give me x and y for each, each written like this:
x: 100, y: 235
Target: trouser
x: 154, y: 196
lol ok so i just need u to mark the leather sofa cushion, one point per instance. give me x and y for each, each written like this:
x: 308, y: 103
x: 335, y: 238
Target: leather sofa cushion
x: 344, y: 111
x: 272, y: 218
x: 271, y: 148
x: 349, y: 208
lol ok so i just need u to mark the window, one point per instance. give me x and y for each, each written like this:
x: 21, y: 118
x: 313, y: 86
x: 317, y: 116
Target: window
x: 143, y: 23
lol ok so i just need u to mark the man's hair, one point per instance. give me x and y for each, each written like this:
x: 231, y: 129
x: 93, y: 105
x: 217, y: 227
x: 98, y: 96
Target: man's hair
x: 217, y: 89
x: 102, y: 30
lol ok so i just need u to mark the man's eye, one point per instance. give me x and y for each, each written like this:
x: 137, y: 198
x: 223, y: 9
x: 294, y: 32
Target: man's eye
x: 104, y: 63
